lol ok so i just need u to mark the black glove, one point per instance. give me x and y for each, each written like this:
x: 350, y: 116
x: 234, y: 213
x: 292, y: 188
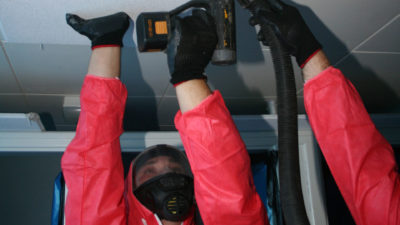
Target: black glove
x: 107, y: 30
x: 289, y: 26
x: 191, y: 47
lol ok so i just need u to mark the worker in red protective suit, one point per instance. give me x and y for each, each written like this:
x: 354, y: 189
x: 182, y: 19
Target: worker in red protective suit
x: 360, y: 159
x: 92, y: 166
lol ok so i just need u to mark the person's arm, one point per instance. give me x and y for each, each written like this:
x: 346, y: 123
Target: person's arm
x: 92, y: 165
x: 315, y: 66
x: 224, y: 188
x: 105, y: 62
x: 360, y: 159
x: 191, y: 93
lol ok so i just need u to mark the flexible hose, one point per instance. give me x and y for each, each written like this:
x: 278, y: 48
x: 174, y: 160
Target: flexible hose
x: 289, y: 168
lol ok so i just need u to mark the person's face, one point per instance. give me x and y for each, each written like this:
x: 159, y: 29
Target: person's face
x: 157, y: 166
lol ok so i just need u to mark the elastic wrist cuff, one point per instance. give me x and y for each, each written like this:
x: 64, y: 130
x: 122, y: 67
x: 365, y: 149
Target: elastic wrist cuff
x: 102, y: 46
x: 180, y: 82
x: 175, y: 85
x: 308, y: 59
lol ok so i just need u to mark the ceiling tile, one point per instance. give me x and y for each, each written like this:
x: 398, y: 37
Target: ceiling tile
x: 249, y: 106
x: 8, y: 84
x: 251, y: 79
x: 141, y: 113
x: 248, y: 79
x: 376, y: 77
x: 386, y: 40
x: 144, y: 74
x: 13, y: 104
x: 341, y: 25
x: 27, y: 21
x: 49, y: 69
x: 170, y: 91
x: 246, y: 37
x: 300, y: 106
x: 166, y: 111
x: 3, y: 36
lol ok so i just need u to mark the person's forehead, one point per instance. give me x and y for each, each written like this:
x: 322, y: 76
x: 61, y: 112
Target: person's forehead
x: 160, y: 159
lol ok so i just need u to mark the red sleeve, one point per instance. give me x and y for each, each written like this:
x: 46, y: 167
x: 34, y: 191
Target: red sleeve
x: 360, y: 159
x: 224, y: 188
x: 92, y: 164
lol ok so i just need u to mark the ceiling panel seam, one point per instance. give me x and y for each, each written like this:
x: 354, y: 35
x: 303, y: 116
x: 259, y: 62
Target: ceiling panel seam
x: 13, y: 72
x: 2, y: 33
x: 366, y: 40
x: 376, y: 32
x: 162, y: 96
x: 373, y: 52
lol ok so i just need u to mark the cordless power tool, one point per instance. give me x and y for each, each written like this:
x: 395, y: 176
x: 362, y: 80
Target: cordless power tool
x: 154, y: 29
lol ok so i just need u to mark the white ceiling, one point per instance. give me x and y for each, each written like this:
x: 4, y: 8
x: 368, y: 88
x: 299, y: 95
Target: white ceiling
x: 43, y: 60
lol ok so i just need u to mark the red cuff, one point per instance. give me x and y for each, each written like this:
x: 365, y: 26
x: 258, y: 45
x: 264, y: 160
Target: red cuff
x: 308, y: 59
x: 204, y: 78
x: 102, y: 46
x: 175, y: 85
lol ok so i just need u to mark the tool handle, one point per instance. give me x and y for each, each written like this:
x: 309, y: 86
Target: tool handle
x: 223, y: 12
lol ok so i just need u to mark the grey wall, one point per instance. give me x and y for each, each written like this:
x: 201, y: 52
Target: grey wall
x: 26, y: 187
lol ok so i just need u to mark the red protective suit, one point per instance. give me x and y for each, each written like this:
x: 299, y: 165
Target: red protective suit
x: 360, y: 159
x: 93, y: 171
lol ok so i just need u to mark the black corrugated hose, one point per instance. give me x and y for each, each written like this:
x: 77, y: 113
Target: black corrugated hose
x: 289, y: 168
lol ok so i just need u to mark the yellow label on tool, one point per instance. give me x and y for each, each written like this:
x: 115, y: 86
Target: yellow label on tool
x: 161, y: 27
x: 150, y: 27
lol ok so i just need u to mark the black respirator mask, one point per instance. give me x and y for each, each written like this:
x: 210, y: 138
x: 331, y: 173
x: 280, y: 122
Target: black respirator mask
x: 169, y: 195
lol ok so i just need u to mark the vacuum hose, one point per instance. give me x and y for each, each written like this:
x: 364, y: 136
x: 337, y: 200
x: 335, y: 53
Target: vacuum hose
x: 289, y: 170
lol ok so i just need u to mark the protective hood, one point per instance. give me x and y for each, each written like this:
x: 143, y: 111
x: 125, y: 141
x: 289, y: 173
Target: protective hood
x: 135, y: 209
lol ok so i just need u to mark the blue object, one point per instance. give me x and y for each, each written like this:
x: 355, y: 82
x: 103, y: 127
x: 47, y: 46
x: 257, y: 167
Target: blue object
x: 265, y: 176
x: 57, y: 212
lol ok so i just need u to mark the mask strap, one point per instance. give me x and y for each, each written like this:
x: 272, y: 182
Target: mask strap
x: 158, y: 219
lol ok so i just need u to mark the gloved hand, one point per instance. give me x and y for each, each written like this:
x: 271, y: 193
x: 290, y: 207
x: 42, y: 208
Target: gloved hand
x: 102, y: 31
x: 191, y: 47
x: 289, y: 26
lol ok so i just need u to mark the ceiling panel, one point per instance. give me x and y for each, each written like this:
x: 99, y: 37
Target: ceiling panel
x: 249, y: 106
x: 2, y: 34
x: 141, y: 113
x: 13, y: 104
x: 166, y: 111
x: 300, y: 106
x: 8, y: 84
x: 386, y: 40
x: 144, y: 74
x: 55, y: 68
x: 249, y: 79
x: 376, y: 77
x: 49, y: 69
x: 43, y: 21
x: 341, y: 25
